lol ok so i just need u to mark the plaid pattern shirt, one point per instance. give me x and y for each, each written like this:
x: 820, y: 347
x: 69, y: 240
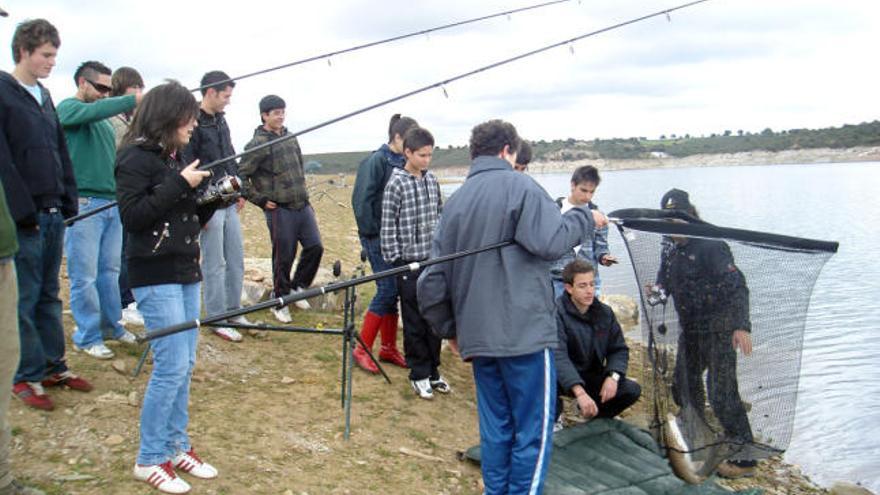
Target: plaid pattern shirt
x: 410, y: 210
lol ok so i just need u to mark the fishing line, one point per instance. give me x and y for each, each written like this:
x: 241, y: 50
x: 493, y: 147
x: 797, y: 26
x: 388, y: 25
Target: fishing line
x: 328, y: 55
x: 440, y: 84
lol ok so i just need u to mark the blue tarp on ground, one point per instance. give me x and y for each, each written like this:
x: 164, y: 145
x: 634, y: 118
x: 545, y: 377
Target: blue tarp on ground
x: 612, y: 457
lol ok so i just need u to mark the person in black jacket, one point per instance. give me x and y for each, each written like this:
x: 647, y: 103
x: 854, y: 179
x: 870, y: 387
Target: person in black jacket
x: 592, y: 356
x: 162, y: 222
x: 41, y: 192
x: 711, y: 299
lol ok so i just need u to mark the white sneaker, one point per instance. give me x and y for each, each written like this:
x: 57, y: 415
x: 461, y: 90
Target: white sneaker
x: 131, y: 315
x: 99, y: 351
x: 302, y: 303
x: 161, y: 477
x: 127, y: 338
x: 282, y: 315
x: 440, y: 385
x: 423, y: 388
x: 241, y: 320
x: 189, y: 462
x: 558, y: 425
x: 227, y: 333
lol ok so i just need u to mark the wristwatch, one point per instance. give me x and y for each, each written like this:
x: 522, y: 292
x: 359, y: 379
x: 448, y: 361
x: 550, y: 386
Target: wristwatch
x: 615, y: 376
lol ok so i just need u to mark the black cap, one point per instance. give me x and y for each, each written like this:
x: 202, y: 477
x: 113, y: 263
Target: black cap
x: 271, y: 102
x: 675, y: 199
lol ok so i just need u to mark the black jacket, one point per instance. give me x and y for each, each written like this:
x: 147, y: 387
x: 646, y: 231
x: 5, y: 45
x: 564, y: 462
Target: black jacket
x: 589, y: 344
x: 160, y: 217
x: 705, y: 284
x: 34, y: 163
x: 210, y: 142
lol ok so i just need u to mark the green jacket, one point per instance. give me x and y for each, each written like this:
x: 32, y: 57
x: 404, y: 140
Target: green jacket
x: 91, y: 141
x: 8, y: 241
x: 274, y: 173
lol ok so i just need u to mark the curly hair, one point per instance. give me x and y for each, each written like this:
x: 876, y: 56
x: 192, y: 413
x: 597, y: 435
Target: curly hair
x: 490, y: 138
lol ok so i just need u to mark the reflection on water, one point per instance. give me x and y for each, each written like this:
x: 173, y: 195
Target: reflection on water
x: 838, y: 411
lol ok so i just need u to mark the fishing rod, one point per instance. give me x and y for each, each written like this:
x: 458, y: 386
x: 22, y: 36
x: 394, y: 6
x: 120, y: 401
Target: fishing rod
x: 440, y: 84
x: 316, y: 291
x: 380, y: 42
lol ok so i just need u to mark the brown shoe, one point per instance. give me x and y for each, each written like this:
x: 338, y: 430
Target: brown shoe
x: 736, y: 469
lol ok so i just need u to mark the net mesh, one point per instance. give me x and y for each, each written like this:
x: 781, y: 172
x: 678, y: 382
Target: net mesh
x: 703, y: 289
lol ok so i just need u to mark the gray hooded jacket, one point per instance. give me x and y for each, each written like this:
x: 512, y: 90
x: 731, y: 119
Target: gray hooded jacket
x: 498, y: 303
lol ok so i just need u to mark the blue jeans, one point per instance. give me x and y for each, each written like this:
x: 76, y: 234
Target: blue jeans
x: 516, y: 404
x: 38, y: 262
x: 165, y: 412
x: 385, y: 300
x: 93, y: 246
x: 222, y: 261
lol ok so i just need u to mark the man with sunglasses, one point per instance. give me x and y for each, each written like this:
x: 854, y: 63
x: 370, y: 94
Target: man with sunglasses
x: 93, y: 245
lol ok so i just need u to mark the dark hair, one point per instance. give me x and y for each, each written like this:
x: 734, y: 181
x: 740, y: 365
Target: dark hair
x: 490, y: 138
x: 578, y: 266
x: 587, y: 173
x: 417, y: 138
x: 524, y: 155
x: 123, y: 79
x: 30, y: 35
x: 89, y: 69
x: 399, y: 125
x: 216, y: 80
x: 163, y: 110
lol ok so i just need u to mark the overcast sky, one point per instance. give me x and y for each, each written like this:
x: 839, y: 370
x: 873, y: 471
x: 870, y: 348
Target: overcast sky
x: 724, y: 64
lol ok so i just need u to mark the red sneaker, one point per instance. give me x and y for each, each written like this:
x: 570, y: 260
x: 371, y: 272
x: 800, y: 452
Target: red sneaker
x: 33, y: 395
x: 69, y: 380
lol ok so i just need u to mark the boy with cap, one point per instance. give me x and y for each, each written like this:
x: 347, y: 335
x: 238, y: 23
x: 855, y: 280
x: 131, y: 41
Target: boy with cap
x: 275, y: 181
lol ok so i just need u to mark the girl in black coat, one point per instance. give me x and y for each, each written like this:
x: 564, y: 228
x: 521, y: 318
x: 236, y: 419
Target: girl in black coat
x: 162, y: 221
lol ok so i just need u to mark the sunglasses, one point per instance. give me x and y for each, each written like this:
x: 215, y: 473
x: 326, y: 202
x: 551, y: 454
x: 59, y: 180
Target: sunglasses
x: 101, y: 88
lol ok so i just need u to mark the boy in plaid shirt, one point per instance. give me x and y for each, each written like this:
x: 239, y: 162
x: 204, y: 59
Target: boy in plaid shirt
x: 411, y: 207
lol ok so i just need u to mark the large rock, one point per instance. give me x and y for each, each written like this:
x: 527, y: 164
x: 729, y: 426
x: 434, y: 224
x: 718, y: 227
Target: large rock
x: 257, y: 285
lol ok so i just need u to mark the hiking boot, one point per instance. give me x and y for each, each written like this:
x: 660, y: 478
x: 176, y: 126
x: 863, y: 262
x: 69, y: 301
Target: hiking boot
x: 190, y: 462
x: 69, y: 380
x: 161, y: 477
x: 33, y: 395
x: 422, y: 388
x: 282, y: 315
x: 736, y: 469
x: 226, y: 333
x: 131, y: 315
x: 98, y: 351
x: 441, y: 385
x: 127, y: 338
x: 16, y: 488
x: 362, y: 359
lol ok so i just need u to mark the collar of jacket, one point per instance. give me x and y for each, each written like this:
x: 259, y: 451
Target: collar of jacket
x: 261, y: 131
x: 486, y: 163
x: 15, y: 85
x: 595, y: 313
x: 206, y: 119
x: 395, y: 159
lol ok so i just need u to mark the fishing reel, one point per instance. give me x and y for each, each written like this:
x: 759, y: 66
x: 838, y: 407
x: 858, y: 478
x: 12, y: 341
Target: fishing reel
x: 656, y: 295
x: 227, y: 189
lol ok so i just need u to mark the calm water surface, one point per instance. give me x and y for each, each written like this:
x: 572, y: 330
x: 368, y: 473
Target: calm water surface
x: 837, y: 426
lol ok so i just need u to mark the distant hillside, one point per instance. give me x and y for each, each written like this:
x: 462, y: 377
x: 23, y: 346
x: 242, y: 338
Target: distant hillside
x: 847, y: 136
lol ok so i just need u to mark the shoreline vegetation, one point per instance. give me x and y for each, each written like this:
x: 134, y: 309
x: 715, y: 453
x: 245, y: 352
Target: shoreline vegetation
x: 266, y: 412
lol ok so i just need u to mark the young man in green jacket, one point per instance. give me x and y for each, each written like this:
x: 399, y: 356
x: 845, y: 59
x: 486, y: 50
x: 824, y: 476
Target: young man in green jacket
x: 93, y: 245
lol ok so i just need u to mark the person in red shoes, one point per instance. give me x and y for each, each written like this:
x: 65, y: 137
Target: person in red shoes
x: 41, y: 192
x: 366, y: 201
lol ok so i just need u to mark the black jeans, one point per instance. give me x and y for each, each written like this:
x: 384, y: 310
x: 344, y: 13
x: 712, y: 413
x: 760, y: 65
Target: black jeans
x: 628, y: 393
x: 287, y: 227
x: 421, y: 346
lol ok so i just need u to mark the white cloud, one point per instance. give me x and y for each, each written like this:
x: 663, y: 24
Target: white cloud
x: 748, y: 64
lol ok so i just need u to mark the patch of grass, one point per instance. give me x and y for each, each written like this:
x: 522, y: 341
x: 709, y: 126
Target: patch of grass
x: 326, y: 356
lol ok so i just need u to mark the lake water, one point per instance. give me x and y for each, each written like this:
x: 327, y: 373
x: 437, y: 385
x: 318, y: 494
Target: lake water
x: 837, y: 426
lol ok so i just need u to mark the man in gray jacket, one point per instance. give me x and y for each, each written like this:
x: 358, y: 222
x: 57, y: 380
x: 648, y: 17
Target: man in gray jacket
x: 498, y: 307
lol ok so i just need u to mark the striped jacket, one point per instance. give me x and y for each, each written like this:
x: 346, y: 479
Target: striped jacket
x: 410, y: 210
